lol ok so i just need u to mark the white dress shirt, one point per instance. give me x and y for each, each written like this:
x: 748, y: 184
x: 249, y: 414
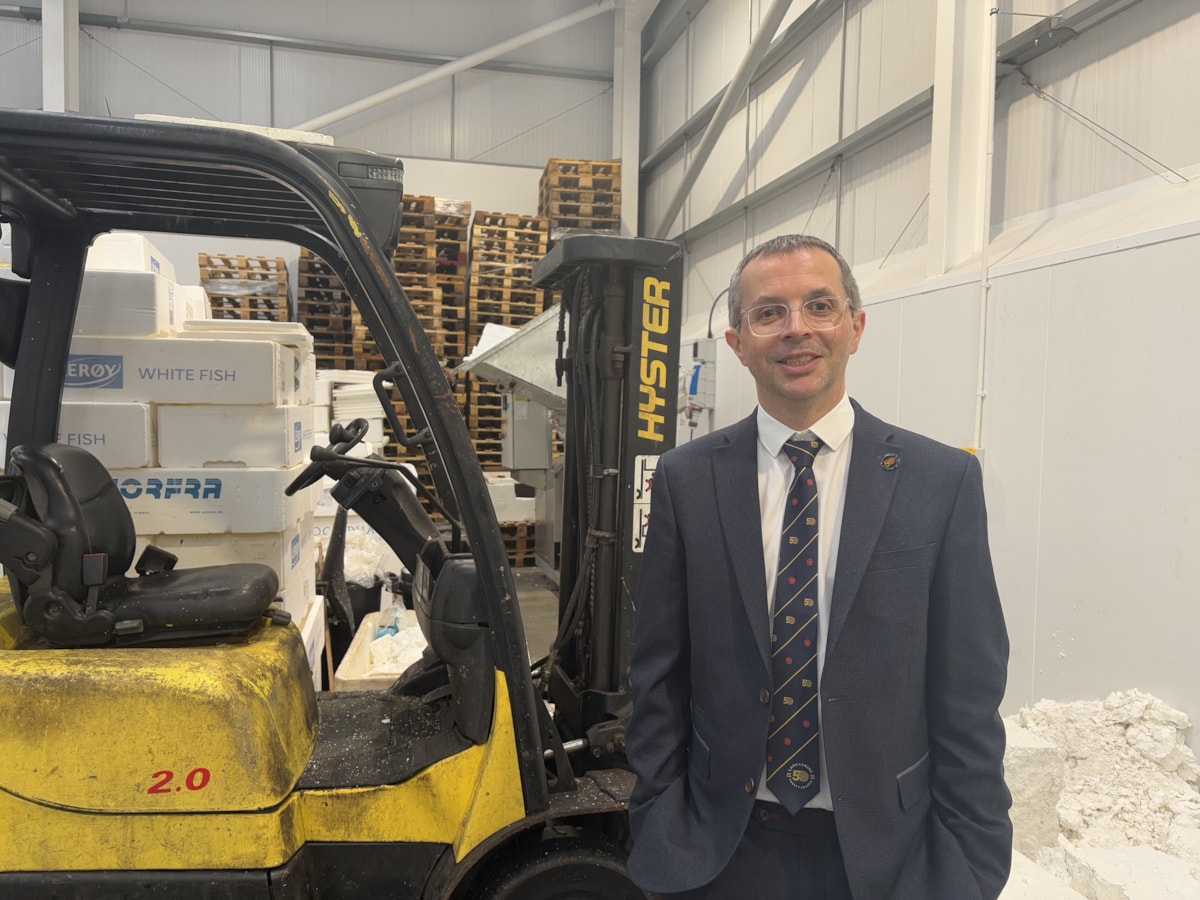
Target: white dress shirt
x: 775, y: 474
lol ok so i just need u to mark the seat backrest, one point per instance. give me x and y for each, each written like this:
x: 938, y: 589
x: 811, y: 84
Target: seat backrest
x: 74, y: 496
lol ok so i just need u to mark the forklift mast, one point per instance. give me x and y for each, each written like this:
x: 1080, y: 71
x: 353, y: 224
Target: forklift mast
x: 622, y: 305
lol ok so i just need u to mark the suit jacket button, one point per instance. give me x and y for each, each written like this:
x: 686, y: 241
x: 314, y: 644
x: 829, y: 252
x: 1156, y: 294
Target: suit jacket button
x: 764, y: 695
x: 749, y: 785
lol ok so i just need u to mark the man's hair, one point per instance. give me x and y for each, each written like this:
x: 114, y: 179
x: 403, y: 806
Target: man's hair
x: 789, y: 243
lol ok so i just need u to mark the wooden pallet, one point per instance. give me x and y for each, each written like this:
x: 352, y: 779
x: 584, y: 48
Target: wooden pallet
x: 585, y: 208
x: 419, y: 204
x: 318, y: 281
x: 519, y: 542
x: 484, y: 297
x: 601, y: 223
x: 253, y: 266
x: 596, y: 168
x: 508, y: 220
x: 317, y: 323
x: 320, y: 305
x: 310, y: 264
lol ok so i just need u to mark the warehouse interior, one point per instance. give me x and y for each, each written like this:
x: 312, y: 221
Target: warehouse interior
x: 1012, y: 184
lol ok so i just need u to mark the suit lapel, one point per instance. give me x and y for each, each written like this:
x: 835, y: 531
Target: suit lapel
x: 735, y: 472
x: 869, y: 488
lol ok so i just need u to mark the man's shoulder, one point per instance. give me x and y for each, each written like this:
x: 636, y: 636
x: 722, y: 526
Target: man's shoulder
x: 921, y: 445
x: 704, y: 445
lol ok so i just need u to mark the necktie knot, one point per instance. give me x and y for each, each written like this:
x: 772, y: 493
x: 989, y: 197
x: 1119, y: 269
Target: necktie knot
x: 802, y: 450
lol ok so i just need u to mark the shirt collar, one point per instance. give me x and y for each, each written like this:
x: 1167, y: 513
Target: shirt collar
x: 832, y: 429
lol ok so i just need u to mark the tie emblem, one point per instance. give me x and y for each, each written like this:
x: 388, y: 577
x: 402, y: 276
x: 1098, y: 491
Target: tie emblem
x: 793, y: 758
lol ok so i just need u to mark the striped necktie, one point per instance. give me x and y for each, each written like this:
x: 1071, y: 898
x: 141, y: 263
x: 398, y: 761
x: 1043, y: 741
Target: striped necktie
x: 793, y: 751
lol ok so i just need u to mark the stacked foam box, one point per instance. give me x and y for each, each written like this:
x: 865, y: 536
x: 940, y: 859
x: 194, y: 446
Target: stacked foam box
x: 202, y: 423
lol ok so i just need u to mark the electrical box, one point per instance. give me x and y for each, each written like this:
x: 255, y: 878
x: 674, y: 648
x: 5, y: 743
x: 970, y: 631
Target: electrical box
x: 526, y: 432
x: 697, y: 387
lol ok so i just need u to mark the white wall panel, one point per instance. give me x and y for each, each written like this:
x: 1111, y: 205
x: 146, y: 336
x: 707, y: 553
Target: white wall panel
x: 883, y: 187
x: 710, y: 263
x: 20, y: 65
x: 522, y: 118
x: 722, y: 180
x: 871, y: 375
x: 1132, y: 75
x: 795, y: 106
x: 123, y: 73
x: 657, y: 189
x: 1094, y: 475
x: 1014, y: 425
x: 309, y: 84
x: 665, y: 96
x: 720, y: 36
x: 447, y: 27
x: 889, y: 56
x: 939, y: 363
x: 808, y: 208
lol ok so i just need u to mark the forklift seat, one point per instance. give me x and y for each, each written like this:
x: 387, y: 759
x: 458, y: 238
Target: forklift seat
x: 78, y: 593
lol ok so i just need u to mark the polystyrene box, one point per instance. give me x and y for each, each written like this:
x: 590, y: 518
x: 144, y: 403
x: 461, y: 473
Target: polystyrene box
x: 173, y: 370
x: 117, y: 434
x: 257, y: 436
x: 291, y: 335
x: 126, y: 304
x: 354, y: 671
x: 502, y: 488
x: 191, y: 302
x: 213, y: 500
x: 125, y: 250
x: 290, y: 552
x: 312, y: 632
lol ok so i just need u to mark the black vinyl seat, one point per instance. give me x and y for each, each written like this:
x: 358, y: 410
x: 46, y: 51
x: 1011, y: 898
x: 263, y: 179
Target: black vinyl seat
x: 68, y: 541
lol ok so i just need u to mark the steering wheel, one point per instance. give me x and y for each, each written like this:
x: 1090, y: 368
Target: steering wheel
x: 341, y: 439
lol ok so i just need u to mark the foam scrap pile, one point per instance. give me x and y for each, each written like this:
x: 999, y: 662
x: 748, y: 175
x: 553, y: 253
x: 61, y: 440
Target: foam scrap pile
x: 1131, y: 786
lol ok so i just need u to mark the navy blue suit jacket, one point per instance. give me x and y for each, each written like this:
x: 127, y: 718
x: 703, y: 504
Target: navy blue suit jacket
x: 915, y: 669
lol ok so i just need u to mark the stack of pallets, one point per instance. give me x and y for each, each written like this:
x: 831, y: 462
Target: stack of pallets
x: 503, y: 250
x: 323, y: 306
x: 437, y: 299
x: 581, y: 194
x: 245, y: 287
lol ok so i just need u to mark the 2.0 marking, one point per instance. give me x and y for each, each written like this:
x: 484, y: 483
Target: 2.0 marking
x: 195, y: 780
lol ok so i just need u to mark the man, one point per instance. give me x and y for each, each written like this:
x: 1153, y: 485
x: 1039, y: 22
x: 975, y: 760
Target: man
x: 880, y: 779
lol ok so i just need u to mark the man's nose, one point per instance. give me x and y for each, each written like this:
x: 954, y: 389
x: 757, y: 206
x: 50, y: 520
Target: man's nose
x: 796, y: 323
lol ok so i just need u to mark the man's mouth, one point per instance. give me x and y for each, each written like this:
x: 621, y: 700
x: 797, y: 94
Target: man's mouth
x: 798, y: 360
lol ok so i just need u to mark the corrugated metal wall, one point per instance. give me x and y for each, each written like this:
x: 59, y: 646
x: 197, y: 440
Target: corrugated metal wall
x: 1134, y: 77
x: 20, y: 64
x: 480, y: 115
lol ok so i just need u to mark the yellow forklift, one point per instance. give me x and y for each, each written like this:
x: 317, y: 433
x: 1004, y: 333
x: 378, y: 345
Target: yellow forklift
x: 159, y: 731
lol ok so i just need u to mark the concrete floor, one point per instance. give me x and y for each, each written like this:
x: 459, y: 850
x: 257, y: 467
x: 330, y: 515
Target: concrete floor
x: 537, y: 597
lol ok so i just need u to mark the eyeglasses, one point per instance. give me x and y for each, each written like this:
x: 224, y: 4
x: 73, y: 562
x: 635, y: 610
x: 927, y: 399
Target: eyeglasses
x: 819, y: 313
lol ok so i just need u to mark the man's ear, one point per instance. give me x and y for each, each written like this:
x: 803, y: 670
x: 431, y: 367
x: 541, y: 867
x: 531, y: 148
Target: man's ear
x: 734, y: 340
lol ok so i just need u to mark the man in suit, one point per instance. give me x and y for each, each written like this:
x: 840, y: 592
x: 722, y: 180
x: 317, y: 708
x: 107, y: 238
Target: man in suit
x: 884, y: 781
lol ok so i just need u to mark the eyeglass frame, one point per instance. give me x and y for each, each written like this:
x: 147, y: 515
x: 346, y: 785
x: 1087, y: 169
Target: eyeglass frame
x: 847, y: 305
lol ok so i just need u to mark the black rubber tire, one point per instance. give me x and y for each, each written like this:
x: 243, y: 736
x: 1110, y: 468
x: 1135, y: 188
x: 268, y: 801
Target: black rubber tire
x: 559, y: 869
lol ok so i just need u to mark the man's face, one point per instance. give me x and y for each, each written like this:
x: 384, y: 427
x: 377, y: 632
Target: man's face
x: 800, y: 372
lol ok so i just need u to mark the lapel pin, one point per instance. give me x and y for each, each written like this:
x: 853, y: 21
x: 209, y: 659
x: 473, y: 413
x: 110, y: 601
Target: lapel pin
x: 889, y: 461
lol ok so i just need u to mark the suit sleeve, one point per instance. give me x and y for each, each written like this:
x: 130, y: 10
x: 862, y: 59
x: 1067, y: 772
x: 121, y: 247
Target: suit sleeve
x: 967, y: 670
x: 659, y: 730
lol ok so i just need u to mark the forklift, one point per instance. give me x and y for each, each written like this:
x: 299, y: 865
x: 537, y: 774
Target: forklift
x: 160, y: 735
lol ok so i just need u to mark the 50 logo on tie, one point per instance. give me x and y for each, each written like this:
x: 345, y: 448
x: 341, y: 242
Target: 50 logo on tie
x: 799, y: 775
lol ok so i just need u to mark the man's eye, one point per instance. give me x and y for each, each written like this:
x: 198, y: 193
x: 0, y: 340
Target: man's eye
x: 766, y: 313
x: 820, y: 305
